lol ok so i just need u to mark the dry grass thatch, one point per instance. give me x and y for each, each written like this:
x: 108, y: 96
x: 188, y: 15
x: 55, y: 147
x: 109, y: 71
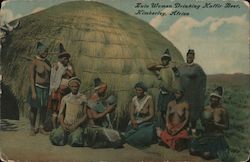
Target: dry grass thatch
x: 104, y: 42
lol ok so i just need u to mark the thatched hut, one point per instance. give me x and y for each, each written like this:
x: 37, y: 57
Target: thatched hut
x: 103, y: 41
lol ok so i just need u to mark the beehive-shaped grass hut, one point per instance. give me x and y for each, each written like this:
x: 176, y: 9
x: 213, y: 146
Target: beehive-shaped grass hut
x: 103, y: 42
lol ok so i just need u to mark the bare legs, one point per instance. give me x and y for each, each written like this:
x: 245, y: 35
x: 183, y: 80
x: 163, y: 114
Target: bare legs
x: 37, y: 118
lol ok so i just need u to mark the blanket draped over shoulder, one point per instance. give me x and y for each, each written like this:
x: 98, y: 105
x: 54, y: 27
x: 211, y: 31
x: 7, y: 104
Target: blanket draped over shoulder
x: 193, y: 82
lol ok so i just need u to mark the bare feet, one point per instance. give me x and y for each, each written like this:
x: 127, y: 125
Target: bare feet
x: 42, y: 131
x: 36, y: 130
x: 158, y: 131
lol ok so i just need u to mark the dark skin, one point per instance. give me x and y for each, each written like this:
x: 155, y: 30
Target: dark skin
x: 148, y: 109
x: 215, y: 120
x: 109, y: 108
x: 177, y: 114
x: 190, y: 58
x: 164, y: 62
x: 156, y: 68
x: 39, y: 74
x: 70, y: 128
x: 65, y: 61
x: 96, y: 115
x: 36, y: 67
x: 69, y: 72
x: 218, y: 120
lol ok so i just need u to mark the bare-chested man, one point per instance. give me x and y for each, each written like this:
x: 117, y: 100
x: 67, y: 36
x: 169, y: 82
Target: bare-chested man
x: 39, y: 89
x: 175, y: 136
x: 72, y: 117
x: 215, y: 121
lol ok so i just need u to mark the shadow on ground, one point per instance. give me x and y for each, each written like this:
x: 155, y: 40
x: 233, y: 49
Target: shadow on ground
x: 7, y: 126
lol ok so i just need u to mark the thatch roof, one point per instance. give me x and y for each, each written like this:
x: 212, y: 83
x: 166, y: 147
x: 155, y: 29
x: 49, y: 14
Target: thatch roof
x: 103, y: 41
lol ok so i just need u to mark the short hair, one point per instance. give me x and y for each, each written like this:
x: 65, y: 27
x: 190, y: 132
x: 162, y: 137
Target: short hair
x: 191, y: 51
x: 141, y: 85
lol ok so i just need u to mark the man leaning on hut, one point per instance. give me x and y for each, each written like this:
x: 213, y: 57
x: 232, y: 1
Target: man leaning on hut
x: 165, y: 75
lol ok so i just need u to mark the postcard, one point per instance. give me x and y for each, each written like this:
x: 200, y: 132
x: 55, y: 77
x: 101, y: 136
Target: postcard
x: 121, y: 81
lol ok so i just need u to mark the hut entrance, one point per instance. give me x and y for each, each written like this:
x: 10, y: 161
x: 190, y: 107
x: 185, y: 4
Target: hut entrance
x: 9, y: 104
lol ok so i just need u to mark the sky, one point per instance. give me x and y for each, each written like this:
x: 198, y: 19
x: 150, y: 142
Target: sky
x: 219, y: 35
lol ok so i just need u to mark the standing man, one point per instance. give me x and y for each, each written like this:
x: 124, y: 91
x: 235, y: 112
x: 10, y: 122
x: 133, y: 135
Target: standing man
x: 165, y: 74
x: 193, y: 80
x: 72, y: 116
x: 39, y: 89
x: 61, y: 72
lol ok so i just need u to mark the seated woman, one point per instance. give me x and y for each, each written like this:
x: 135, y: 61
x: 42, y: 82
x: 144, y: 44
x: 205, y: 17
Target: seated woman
x: 72, y: 116
x: 176, y: 136
x: 99, y: 132
x: 140, y: 131
x: 215, y: 120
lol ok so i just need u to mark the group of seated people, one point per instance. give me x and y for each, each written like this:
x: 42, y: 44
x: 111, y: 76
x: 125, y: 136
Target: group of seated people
x: 87, y: 122
x: 81, y: 121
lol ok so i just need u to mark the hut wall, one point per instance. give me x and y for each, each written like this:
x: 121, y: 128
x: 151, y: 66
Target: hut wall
x: 103, y: 42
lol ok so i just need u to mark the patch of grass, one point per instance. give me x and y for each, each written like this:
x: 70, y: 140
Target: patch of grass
x: 227, y: 156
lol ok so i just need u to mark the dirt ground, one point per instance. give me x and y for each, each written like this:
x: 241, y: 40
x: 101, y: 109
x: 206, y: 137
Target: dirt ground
x: 16, y: 144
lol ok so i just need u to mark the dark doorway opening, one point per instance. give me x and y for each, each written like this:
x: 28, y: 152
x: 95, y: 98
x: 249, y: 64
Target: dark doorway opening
x: 9, y: 104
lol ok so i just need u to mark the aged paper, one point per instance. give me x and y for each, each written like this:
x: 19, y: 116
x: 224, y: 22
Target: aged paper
x: 118, y: 41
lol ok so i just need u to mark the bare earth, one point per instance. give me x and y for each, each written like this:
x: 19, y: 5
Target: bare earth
x: 16, y: 144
